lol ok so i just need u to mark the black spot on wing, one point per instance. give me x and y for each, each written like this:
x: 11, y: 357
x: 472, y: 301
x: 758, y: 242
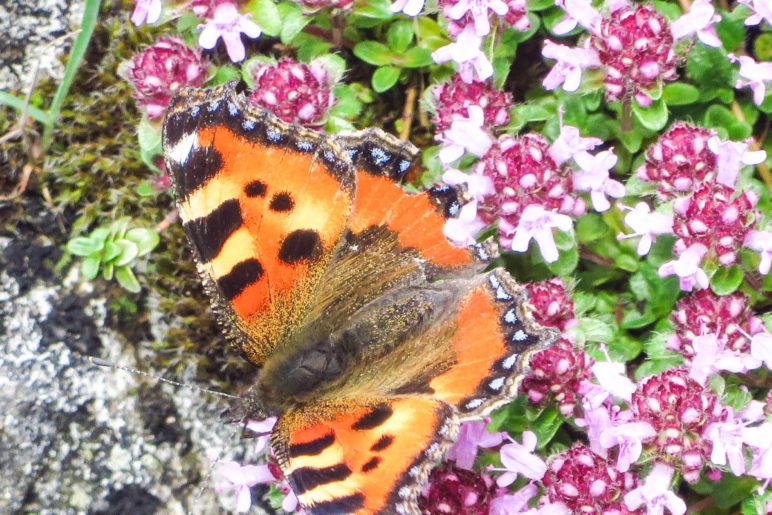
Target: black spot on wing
x: 446, y: 198
x: 209, y: 233
x: 371, y: 464
x: 202, y: 164
x: 311, y: 448
x: 255, y: 189
x: 282, y: 202
x: 301, y: 245
x: 347, y: 504
x: 383, y: 443
x: 241, y: 276
x: 374, y: 418
x: 307, y: 478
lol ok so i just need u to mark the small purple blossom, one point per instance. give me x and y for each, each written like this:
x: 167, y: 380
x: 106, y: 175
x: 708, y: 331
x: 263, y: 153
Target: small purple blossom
x: 687, y: 268
x: 762, y: 10
x: 629, y: 437
x: 612, y: 377
x: 463, y: 229
x: 478, y: 9
x: 761, y: 348
x: 520, y: 459
x: 227, y: 23
x: 146, y: 11
x: 472, y: 436
x: 240, y: 478
x: 570, y: 63
x: 731, y: 156
x: 757, y: 438
x: 578, y: 12
x: 569, y: 143
x: 536, y: 223
x: 466, y: 52
x: 408, y: 7
x: 465, y: 135
x: 655, y: 493
x: 712, y: 356
x: 727, y: 440
x: 512, y: 504
x: 646, y: 225
x: 699, y: 20
x: 593, y: 176
x: 753, y: 75
x: 261, y: 428
x: 761, y: 242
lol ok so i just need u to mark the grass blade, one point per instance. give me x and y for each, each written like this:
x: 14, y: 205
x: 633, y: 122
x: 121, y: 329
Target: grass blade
x: 19, y: 104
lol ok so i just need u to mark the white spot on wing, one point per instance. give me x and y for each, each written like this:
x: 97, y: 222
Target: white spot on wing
x: 272, y: 135
x: 180, y: 151
x: 474, y: 403
x: 510, y: 317
x: 519, y: 336
x: 509, y: 362
x: 501, y: 294
x: 497, y: 383
x: 494, y: 281
x: 404, y: 492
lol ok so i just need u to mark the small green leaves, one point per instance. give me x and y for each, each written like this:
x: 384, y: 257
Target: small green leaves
x: 680, y: 93
x: 293, y: 21
x: 384, y: 78
x: 266, y: 15
x: 375, y: 53
x: 726, y: 280
x: 399, y: 36
x: 653, y: 117
x: 709, y: 67
x: 114, y: 249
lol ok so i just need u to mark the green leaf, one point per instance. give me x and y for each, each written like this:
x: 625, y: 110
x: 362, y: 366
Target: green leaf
x: 732, y: 490
x: 546, y: 425
x: 591, y: 227
x: 399, y: 36
x: 731, y: 32
x: 129, y: 251
x: 111, y: 252
x: 416, y: 57
x: 100, y: 233
x: 595, y: 330
x: 375, y: 53
x: 631, y: 140
x: 709, y: 67
x: 653, y: 117
x: 377, y: 9
x: 108, y: 271
x: 146, y: 189
x: 225, y: 74
x: 726, y: 280
x: 526, y: 113
x: 293, y: 21
x: 266, y: 15
x: 385, y: 77
x: 763, y: 47
x: 347, y: 104
x: 149, y: 137
x: 539, y: 5
x: 145, y: 239
x: 680, y: 93
x: 569, y: 255
x: 82, y: 246
x: 89, y: 268
x: 718, y: 116
x: 127, y: 279
x: 20, y: 105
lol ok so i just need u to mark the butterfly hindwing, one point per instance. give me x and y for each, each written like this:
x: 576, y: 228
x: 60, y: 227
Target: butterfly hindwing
x: 264, y: 205
x: 362, y: 455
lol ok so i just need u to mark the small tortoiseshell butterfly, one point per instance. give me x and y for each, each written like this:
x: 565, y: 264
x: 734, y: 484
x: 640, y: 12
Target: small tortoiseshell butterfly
x: 374, y: 336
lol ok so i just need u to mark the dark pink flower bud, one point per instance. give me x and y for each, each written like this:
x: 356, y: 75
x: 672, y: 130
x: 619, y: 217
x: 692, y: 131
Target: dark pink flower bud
x: 456, y: 96
x: 552, y: 307
x: 636, y: 47
x: 454, y: 490
x: 160, y: 71
x: 295, y: 92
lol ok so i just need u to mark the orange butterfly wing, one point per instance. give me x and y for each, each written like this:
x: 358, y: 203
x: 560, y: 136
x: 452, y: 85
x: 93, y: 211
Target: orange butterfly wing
x: 264, y: 205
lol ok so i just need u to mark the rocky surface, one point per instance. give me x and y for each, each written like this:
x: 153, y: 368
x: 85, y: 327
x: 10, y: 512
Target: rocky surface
x: 36, y: 34
x: 79, y: 438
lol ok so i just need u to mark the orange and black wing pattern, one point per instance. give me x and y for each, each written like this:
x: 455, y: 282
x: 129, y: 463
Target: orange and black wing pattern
x: 363, y: 456
x: 264, y: 205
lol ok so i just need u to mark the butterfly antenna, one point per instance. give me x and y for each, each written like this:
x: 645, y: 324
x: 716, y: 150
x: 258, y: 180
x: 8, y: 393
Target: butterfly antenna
x: 104, y: 363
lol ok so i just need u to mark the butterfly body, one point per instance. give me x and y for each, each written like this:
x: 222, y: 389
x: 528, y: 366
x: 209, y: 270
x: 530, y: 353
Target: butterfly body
x: 374, y: 336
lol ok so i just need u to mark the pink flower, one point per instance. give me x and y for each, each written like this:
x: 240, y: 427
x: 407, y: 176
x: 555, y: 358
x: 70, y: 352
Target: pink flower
x: 478, y: 186
x: 593, y: 176
x: 753, y: 75
x: 687, y: 268
x: 408, y: 7
x: 761, y: 348
x: 159, y: 71
x: 680, y: 160
x: 761, y: 242
x: 655, y: 493
x: 463, y: 229
x: 699, y: 20
x: 295, y: 92
x: 714, y: 217
x: 552, y: 306
x: 472, y: 436
x: 646, y: 225
x: 757, y: 438
x: 612, y: 377
x: 454, y: 490
x: 240, y: 478
x: 465, y: 51
x: 636, y: 47
x: 711, y: 356
x: 465, y: 135
x: 762, y: 10
x: 146, y: 11
x: 570, y: 63
x: 578, y: 12
x: 261, y: 428
x: 477, y: 9
x: 731, y: 156
x: 536, y: 223
x: 228, y: 24
x: 520, y: 459
x: 629, y: 438
x: 727, y: 439
x: 513, y: 504
x: 569, y: 143
x: 456, y: 96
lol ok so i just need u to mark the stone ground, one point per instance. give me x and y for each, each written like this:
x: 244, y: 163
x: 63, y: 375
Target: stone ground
x: 78, y: 438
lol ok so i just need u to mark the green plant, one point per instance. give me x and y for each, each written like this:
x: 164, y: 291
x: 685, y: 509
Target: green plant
x: 113, y: 250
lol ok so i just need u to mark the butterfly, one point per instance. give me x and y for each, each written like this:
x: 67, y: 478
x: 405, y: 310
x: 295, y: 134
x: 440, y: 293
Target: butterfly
x: 374, y: 336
